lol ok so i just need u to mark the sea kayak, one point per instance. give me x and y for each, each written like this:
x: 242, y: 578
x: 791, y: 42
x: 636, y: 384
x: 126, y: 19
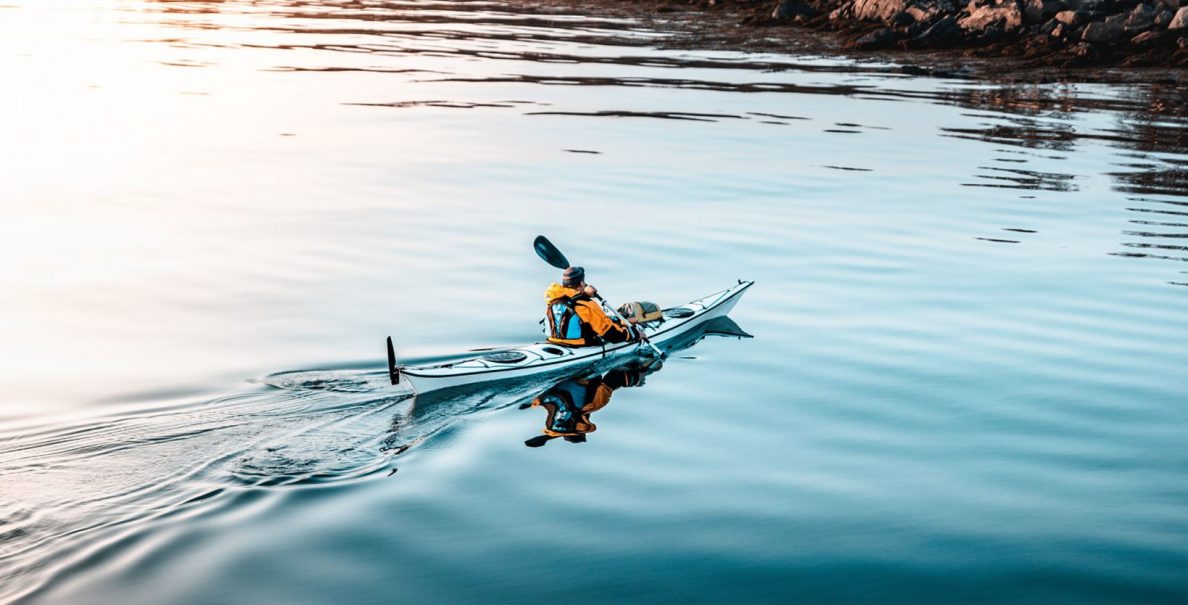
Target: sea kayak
x: 542, y: 358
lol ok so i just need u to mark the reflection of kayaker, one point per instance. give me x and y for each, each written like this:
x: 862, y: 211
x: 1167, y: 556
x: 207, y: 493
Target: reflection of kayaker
x: 570, y: 402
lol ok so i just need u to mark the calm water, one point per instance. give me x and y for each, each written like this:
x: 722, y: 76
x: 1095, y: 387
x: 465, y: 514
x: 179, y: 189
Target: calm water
x: 967, y: 382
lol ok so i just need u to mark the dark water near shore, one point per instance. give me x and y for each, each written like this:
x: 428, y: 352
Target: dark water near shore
x: 967, y: 382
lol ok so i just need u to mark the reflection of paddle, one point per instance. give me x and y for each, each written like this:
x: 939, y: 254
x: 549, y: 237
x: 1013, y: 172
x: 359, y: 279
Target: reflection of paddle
x: 551, y: 255
x: 540, y: 440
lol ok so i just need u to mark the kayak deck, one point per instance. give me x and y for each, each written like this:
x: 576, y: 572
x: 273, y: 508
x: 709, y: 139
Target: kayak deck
x: 546, y: 357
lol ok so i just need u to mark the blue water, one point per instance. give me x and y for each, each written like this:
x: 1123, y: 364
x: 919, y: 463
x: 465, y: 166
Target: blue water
x: 966, y: 382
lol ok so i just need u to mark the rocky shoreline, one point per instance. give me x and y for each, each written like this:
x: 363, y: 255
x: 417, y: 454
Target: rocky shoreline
x: 1055, y: 33
x: 1030, y: 40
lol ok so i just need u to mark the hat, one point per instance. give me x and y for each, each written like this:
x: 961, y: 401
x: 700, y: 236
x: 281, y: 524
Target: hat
x: 573, y: 276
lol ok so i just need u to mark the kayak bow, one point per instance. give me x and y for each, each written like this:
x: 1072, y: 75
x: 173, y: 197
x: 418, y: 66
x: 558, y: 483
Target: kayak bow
x: 547, y: 358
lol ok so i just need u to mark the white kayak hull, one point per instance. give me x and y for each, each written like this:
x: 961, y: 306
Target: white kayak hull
x: 546, y: 358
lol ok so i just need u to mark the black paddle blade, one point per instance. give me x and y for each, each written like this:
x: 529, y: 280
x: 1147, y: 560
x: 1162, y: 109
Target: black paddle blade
x: 538, y: 440
x: 393, y: 371
x: 549, y: 253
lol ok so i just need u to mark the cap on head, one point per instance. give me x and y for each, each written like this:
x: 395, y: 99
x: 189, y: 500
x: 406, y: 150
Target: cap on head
x: 573, y: 276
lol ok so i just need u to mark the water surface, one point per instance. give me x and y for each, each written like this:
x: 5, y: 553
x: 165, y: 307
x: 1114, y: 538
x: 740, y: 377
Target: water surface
x: 966, y: 383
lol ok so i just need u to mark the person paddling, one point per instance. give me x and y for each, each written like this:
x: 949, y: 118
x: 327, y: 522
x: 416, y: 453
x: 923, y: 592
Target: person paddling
x: 573, y: 318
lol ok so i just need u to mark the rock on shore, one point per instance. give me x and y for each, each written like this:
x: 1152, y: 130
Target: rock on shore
x: 1047, y: 32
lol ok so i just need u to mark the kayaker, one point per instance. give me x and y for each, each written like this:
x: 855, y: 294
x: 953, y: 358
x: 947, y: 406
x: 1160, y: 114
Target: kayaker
x: 573, y: 318
x: 570, y: 402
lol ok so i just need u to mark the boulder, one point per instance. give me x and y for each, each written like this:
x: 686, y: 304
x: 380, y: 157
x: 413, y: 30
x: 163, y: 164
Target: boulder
x: 1085, y: 5
x: 920, y: 14
x: 1084, y: 51
x: 1180, y: 21
x: 1036, y: 46
x: 941, y: 33
x: 787, y: 10
x: 981, y: 17
x: 1141, y: 19
x: 992, y: 32
x: 902, y: 19
x: 927, y: 11
x: 1070, y: 18
x: 1103, y: 32
x: 1145, y: 38
x: 879, y: 38
x: 1038, y: 11
x: 878, y: 10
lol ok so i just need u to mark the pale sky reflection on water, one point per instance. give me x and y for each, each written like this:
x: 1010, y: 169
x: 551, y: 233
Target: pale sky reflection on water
x: 131, y: 182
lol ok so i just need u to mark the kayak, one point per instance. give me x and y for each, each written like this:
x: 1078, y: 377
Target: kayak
x: 677, y: 324
x: 547, y: 358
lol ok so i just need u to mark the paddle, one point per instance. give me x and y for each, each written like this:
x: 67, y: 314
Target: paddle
x: 551, y: 255
x: 539, y: 440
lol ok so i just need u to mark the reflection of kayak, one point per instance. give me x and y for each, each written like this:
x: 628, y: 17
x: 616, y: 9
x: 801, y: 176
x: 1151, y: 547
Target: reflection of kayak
x: 540, y: 358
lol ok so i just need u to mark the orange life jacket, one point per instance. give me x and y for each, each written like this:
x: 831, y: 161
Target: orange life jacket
x: 573, y: 319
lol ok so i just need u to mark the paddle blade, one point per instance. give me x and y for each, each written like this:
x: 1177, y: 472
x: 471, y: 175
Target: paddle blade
x: 393, y: 371
x: 549, y: 253
x: 537, y: 441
